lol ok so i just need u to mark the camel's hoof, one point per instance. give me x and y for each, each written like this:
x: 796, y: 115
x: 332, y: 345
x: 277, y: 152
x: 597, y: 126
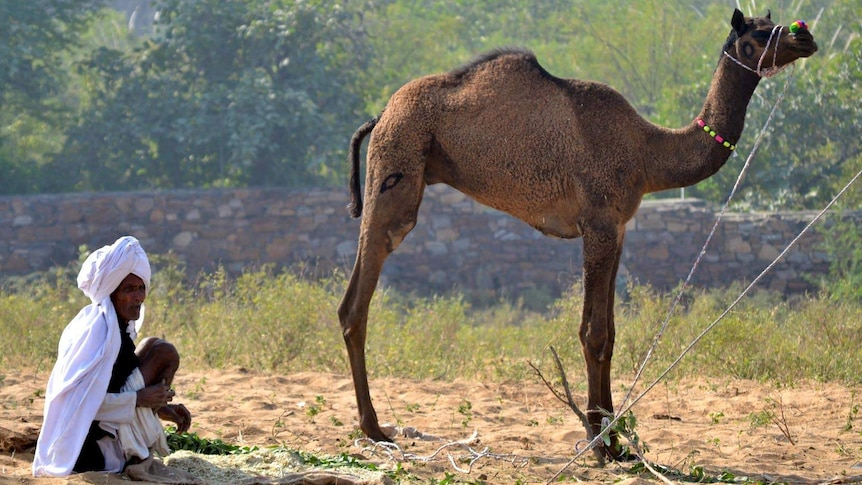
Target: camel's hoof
x: 377, y: 435
x: 621, y: 456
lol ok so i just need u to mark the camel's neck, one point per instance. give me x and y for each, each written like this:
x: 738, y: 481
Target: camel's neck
x: 695, y: 155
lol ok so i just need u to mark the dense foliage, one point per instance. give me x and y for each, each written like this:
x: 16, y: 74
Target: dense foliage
x: 268, y: 92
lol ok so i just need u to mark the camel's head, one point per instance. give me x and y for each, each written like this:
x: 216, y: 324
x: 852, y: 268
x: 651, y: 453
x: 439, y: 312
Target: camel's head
x: 764, y: 47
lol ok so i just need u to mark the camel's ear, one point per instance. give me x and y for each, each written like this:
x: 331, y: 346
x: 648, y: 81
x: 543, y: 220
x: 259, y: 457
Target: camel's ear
x: 738, y: 22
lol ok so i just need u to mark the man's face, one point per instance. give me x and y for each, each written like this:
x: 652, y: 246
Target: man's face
x: 128, y: 298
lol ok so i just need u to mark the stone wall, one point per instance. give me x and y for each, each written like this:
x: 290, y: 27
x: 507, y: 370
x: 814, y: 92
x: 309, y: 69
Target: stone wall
x: 457, y: 243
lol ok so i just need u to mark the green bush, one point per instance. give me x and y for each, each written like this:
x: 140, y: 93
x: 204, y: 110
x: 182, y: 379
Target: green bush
x: 280, y: 321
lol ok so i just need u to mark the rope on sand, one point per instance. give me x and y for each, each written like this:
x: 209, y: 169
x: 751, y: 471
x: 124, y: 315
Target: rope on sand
x: 394, y: 452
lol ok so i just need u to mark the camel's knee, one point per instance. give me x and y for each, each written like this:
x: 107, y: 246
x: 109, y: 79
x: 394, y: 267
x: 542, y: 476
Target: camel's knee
x: 397, y: 234
x: 597, y: 342
x: 351, y: 313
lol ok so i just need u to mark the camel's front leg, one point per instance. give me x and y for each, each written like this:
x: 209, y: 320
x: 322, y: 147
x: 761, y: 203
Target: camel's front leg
x: 602, y: 249
x: 353, y: 314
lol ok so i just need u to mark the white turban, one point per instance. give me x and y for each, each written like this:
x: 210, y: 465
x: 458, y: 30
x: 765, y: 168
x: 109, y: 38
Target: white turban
x: 105, y: 268
x: 88, y: 348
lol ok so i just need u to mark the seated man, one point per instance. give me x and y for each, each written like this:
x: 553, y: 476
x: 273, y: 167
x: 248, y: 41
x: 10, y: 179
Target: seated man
x: 105, y: 396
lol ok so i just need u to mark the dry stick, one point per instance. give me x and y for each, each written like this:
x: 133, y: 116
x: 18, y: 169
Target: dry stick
x: 781, y: 422
x: 395, y: 453
x: 569, y: 401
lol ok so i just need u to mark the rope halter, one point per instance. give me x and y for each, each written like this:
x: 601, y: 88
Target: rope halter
x: 764, y: 71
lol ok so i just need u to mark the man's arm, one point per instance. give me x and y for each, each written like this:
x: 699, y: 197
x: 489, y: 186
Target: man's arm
x: 120, y: 407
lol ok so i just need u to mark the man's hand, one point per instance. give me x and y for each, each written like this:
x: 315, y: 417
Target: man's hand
x: 177, y: 413
x: 155, y: 396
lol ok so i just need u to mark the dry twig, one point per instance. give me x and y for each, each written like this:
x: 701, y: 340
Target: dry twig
x: 569, y: 401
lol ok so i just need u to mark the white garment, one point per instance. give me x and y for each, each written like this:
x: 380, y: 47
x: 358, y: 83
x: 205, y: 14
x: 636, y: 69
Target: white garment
x: 86, y: 354
x: 137, y: 429
x: 145, y: 431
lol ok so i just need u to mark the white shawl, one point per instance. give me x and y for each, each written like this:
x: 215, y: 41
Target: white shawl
x: 88, y: 348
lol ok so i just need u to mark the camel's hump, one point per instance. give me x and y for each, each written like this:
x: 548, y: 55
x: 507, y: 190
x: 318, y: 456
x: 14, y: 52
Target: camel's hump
x: 514, y: 55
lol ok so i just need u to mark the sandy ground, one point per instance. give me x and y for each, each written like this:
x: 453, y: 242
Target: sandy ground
x: 523, y: 434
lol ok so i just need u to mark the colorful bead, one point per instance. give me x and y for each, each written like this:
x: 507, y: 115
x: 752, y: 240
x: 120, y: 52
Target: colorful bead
x: 798, y: 25
x: 718, y: 138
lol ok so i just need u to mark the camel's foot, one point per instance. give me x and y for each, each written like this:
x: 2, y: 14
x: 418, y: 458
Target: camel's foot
x: 376, y: 433
x: 619, y: 454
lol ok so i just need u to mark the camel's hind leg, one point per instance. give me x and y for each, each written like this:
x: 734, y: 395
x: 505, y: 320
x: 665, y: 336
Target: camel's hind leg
x: 392, y: 202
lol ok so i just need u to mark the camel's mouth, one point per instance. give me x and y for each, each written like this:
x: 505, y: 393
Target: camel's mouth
x: 802, y: 44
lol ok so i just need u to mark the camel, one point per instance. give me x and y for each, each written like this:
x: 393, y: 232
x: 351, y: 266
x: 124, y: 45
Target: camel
x: 571, y: 158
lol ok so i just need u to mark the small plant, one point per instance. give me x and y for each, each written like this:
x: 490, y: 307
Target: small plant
x: 315, y: 409
x: 770, y: 416
x: 761, y: 418
x: 625, y: 427
x: 697, y: 472
x: 412, y: 408
x: 854, y: 411
x: 465, y: 409
x: 335, y: 421
x: 715, y: 418
x: 198, y: 390
x: 278, y: 425
x: 448, y: 479
x: 552, y: 420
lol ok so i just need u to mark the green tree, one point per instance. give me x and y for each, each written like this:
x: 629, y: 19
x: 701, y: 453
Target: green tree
x: 249, y: 92
x: 35, y: 37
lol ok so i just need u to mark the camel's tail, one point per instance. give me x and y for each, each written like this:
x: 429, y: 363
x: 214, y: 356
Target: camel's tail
x: 355, y: 206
